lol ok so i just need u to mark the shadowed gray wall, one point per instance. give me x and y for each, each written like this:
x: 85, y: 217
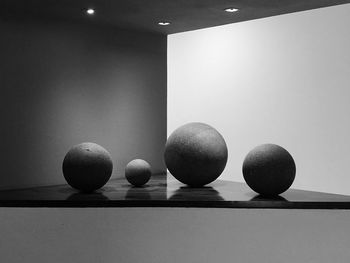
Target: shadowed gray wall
x: 63, y: 84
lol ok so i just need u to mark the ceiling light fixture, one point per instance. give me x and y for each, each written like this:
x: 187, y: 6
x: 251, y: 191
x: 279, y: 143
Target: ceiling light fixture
x: 163, y: 23
x: 231, y: 10
x: 90, y: 11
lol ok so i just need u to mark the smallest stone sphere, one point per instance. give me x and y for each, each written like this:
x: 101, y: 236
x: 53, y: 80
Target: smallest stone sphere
x: 138, y: 172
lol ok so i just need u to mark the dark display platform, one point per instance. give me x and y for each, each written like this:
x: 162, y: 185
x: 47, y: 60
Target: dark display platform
x: 163, y: 192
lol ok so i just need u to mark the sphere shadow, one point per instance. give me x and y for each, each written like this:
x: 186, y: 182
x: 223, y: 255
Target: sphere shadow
x: 269, y: 198
x: 138, y: 193
x: 81, y: 196
x: 205, y: 193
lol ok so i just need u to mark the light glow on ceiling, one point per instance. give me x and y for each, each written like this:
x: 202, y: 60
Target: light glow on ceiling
x: 90, y: 11
x: 231, y: 10
x: 163, y: 23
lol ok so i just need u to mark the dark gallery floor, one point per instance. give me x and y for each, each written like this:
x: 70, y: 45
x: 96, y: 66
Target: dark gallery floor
x: 163, y: 192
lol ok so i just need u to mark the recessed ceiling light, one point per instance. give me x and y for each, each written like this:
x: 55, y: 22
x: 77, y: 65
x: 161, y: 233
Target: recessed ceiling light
x: 163, y: 23
x: 231, y: 10
x: 90, y: 11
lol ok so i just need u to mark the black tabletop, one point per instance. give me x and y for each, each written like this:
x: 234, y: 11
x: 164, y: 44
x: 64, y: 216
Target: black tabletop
x: 162, y: 191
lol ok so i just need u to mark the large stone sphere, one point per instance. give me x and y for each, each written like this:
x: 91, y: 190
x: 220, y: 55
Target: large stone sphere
x: 138, y: 172
x: 195, y: 154
x: 87, y: 166
x: 269, y: 169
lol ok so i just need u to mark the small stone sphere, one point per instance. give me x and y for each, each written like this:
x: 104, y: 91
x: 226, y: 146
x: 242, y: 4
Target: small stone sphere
x: 195, y: 154
x: 138, y: 172
x: 269, y: 169
x: 87, y: 167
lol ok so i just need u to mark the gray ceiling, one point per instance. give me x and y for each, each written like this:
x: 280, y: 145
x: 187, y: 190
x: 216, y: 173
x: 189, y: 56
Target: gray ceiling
x: 184, y: 15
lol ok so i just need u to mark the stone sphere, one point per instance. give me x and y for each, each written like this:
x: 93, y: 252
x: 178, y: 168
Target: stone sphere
x: 195, y: 154
x: 87, y: 166
x: 269, y: 169
x: 138, y: 172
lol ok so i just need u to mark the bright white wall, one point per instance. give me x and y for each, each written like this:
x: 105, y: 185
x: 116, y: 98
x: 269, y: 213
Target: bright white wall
x: 283, y: 79
x: 172, y: 235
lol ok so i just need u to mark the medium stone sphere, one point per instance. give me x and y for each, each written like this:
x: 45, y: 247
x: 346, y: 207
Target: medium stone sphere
x: 87, y: 166
x: 269, y: 169
x: 138, y: 172
x: 195, y: 154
